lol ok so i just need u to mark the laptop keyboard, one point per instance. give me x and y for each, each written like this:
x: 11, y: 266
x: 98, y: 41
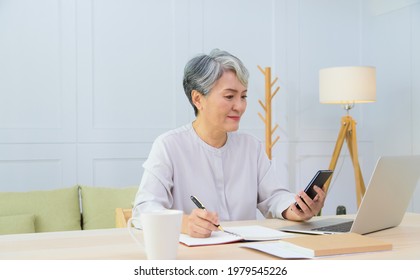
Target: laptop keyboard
x: 342, y: 227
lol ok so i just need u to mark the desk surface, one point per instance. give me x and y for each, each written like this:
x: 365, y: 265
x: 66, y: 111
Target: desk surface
x: 111, y: 244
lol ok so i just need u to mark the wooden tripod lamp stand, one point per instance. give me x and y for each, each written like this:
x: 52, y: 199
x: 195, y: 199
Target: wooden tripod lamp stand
x: 347, y: 86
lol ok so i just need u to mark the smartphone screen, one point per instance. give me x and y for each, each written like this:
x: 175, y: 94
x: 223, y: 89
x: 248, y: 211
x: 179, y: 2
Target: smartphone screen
x: 318, y: 180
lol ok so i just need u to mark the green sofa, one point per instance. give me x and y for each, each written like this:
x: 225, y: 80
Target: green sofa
x: 75, y: 208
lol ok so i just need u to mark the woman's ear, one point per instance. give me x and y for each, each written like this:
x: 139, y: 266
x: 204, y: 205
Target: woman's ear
x: 196, y: 98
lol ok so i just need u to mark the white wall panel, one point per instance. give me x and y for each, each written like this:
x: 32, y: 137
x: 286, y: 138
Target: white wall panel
x: 127, y: 70
x: 37, y: 58
x: 115, y: 165
x: 284, y: 27
x: 325, y: 41
x: 392, y: 41
x: 246, y: 32
x: 393, y: 110
x: 37, y: 166
x: 288, y: 69
x: 183, y: 23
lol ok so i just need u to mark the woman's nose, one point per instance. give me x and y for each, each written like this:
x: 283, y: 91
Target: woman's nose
x: 239, y: 104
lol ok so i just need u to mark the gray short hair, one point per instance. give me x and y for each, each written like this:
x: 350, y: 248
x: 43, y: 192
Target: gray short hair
x: 202, y: 72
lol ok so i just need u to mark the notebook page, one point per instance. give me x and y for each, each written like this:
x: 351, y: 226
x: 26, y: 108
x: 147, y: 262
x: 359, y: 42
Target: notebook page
x: 258, y: 233
x: 234, y: 234
x: 217, y: 237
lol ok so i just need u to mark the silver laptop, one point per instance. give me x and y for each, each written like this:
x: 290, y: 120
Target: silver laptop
x: 384, y: 204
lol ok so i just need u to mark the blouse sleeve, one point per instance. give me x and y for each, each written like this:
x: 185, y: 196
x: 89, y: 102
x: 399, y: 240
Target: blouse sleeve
x: 273, y: 198
x: 156, y: 184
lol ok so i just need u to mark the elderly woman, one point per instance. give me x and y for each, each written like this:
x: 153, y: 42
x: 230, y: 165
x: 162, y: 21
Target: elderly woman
x: 227, y: 170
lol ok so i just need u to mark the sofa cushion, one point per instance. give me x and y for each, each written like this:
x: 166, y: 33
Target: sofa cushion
x: 24, y: 223
x: 54, y: 210
x: 99, y: 204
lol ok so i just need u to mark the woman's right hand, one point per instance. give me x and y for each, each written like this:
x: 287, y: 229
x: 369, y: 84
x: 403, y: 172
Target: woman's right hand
x: 200, y: 223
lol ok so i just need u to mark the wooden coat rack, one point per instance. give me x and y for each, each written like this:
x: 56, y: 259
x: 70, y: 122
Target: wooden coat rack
x: 269, y: 131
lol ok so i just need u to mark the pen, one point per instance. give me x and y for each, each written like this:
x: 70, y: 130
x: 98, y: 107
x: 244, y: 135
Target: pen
x: 201, y: 206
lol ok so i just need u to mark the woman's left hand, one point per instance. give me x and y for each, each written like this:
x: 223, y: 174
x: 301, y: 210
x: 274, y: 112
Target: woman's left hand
x: 308, y: 207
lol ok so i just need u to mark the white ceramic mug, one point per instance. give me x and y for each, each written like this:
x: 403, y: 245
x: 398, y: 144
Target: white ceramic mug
x: 161, y: 231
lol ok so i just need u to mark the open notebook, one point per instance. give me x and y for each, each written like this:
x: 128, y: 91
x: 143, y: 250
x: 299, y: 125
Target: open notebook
x: 236, y: 234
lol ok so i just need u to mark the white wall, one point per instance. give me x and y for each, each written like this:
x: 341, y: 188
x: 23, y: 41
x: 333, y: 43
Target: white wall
x: 86, y: 86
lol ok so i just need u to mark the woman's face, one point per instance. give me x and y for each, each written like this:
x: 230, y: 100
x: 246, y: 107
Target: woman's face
x: 224, y: 105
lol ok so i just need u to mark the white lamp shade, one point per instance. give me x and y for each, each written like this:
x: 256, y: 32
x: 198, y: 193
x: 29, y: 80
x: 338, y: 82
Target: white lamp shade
x: 347, y: 85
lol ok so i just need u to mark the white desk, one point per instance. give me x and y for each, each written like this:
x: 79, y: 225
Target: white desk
x: 111, y: 244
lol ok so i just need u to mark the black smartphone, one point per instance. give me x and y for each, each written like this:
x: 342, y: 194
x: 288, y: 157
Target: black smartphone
x: 318, y: 180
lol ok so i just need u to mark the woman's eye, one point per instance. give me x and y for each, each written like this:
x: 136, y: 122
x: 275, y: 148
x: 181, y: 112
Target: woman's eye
x: 229, y: 96
x: 244, y: 96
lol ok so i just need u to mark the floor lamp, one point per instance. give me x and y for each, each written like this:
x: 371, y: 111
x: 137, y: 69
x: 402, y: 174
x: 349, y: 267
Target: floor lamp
x: 347, y: 86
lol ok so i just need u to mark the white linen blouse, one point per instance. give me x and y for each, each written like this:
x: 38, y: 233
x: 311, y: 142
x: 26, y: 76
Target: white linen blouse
x: 232, y: 180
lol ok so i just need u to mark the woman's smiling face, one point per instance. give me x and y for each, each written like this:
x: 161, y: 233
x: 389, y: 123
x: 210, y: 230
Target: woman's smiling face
x: 224, y: 105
